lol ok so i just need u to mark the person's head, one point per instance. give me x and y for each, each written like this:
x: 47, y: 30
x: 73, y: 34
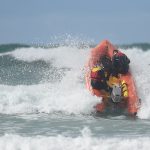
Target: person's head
x: 115, y: 51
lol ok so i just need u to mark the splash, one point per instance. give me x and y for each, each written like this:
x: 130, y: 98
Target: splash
x: 68, y: 94
x: 140, y: 68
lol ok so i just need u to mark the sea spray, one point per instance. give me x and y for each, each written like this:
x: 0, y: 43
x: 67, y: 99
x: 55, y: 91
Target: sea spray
x: 60, y: 84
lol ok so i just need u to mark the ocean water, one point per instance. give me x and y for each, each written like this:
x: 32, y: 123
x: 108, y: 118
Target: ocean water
x: 44, y: 104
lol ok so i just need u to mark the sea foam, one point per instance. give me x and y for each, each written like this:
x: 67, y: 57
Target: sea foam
x: 85, y: 141
x: 68, y: 95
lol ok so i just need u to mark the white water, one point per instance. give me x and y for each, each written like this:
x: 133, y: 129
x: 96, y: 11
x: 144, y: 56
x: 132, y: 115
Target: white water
x: 69, y: 95
x: 140, y: 67
x: 83, y: 142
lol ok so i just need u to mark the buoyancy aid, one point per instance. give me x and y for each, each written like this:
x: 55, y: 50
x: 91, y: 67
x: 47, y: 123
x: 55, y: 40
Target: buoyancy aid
x: 98, y: 73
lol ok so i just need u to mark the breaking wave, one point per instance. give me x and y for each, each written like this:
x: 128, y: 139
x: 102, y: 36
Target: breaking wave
x: 52, y: 79
x: 85, y: 141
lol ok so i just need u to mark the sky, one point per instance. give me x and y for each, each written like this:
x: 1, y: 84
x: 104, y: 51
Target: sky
x: 120, y: 21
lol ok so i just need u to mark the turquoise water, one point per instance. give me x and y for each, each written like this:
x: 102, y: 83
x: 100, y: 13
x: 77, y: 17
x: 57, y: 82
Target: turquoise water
x: 44, y: 103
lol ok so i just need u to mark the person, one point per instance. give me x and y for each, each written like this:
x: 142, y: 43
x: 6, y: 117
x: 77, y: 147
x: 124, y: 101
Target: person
x: 99, y: 78
x: 107, y: 64
x: 120, y: 63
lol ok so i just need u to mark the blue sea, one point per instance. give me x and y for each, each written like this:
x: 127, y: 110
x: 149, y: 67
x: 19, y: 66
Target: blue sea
x: 44, y: 104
